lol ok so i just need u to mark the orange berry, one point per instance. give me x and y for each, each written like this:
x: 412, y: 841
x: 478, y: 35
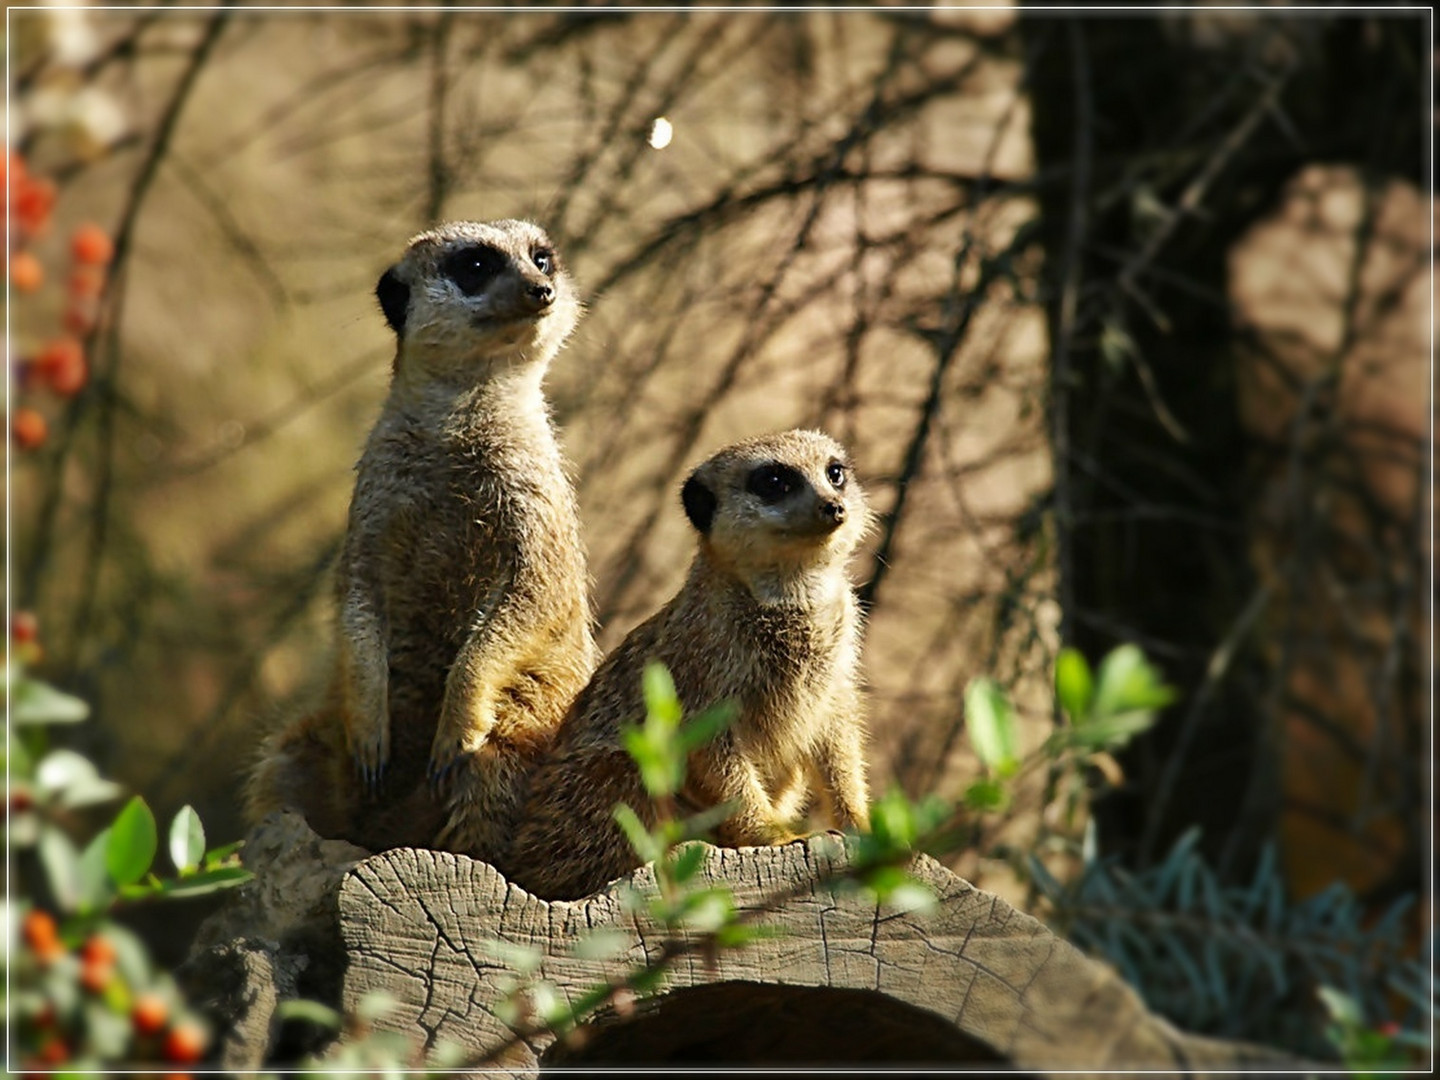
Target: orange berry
x: 149, y: 1014
x: 24, y: 627
x: 33, y: 202
x: 184, y: 1043
x: 96, y: 977
x: 98, y: 949
x: 71, y: 379
x: 15, y: 167
x: 26, y: 273
x: 38, y: 928
x: 86, y: 282
x: 91, y: 245
x: 28, y: 429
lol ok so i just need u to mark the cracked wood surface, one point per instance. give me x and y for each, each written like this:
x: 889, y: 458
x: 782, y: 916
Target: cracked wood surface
x: 419, y: 925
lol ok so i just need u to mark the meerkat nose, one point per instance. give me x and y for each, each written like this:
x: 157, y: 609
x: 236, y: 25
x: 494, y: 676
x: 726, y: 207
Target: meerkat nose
x: 542, y: 293
x: 833, y: 512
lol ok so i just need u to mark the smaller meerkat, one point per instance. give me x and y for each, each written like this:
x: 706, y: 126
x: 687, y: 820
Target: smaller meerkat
x: 766, y: 620
x: 464, y: 627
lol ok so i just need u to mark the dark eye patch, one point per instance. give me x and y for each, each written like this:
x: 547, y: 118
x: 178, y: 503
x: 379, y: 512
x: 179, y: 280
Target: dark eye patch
x: 473, y: 268
x: 773, y: 481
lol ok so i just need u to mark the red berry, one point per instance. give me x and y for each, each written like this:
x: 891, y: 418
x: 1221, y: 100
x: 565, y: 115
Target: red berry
x: 184, y: 1043
x: 20, y: 800
x: 54, y: 1052
x: 26, y: 273
x: 149, y: 1014
x: 34, y: 198
x: 61, y: 364
x: 28, y: 429
x: 91, y: 245
x: 1389, y: 1029
x: 96, y: 977
x: 97, y: 949
x: 24, y: 627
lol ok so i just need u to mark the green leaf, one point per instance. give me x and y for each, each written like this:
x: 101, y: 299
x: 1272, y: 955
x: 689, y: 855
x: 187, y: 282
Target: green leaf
x: 662, y: 705
x: 1074, y: 686
x: 698, y: 825
x: 72, y: 781
x: 892, y: 824
x: 311, y: 1012
x: 35, y: 702
x: 96, y: 887
x: 204, y: 882
x: 132, y: 844
x: 522, y: 958
x: 223, y: 852
x: 1129, y: 683
x: 986, y: 794
x: 706, y: 910
x: 602, y: 943
x: 685, y: 862
x: 646, y: 846
x: 374, y: 1005
x: 62, y: 868
x: 990, y: 721
x: 1111, y: 732
x: 187, y: 840
x: 703, y: 728
x: 661, y: 763
x: 911, y: 895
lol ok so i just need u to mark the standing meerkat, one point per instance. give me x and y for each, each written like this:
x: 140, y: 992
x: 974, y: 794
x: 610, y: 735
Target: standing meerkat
x: 766, y: 620
x: 464, y: 628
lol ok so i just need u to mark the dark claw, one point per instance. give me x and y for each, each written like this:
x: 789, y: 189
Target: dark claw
x: 439, y: 776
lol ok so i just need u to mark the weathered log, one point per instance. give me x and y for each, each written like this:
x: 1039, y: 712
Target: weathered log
x: 843, y: 982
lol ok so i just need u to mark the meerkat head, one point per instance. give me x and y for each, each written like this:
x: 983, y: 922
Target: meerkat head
x: 777, y: 507
x: 469, y: 297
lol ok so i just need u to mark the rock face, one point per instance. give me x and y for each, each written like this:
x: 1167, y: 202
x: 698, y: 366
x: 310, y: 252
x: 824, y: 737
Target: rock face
x: 974, y: 981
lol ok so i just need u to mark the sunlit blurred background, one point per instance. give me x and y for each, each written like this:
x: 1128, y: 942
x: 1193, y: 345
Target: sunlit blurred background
x: 1125, y: 320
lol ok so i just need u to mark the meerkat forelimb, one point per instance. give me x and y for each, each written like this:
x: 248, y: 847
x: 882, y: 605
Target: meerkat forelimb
x: 766, y: 620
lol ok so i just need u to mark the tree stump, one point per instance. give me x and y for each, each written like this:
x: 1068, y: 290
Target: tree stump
x: 974, y: 981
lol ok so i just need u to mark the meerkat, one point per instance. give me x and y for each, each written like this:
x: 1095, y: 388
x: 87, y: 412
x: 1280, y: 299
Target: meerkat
x: 765, y: 620
x: 464, y: 623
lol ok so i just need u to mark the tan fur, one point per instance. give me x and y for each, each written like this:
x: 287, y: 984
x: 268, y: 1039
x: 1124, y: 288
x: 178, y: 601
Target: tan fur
x: 767, y: 620
x: 464, y: 627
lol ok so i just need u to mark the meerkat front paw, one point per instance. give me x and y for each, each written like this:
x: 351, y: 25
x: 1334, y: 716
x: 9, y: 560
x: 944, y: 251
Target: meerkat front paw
x: 368, y: 739
x: 456, y: 737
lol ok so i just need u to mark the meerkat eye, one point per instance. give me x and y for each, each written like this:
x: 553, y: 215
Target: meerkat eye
x: 771, y: 483
x: 545, y: 260
x: 835, y: 473
x: 473, y: 268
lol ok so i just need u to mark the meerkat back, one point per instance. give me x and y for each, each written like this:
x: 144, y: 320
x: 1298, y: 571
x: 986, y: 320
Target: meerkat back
x: 464, y: 626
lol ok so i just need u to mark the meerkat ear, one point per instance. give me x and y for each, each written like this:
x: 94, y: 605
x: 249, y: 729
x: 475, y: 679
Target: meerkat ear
x: 699, y: 503
x: 394, y: 297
